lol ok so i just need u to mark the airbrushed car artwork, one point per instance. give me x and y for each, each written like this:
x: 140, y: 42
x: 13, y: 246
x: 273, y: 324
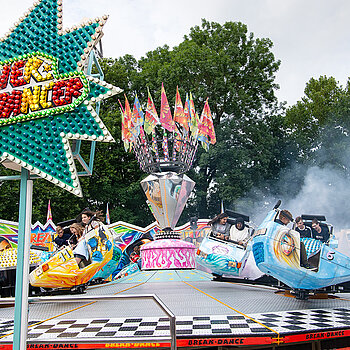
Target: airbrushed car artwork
x: 62, y: 270
x: 224, y: 257
x: 301, y: 263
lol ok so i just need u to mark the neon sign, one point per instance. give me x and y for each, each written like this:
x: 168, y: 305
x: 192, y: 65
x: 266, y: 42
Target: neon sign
x: 31, y: 87
x: 45, y: 97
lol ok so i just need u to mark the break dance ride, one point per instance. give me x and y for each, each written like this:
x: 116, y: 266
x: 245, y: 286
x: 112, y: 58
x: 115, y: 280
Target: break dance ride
x: 198, y: 312
x: 303, y: 264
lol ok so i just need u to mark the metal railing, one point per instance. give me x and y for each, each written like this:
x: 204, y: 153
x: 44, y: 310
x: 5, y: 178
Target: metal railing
x: 95, y: 298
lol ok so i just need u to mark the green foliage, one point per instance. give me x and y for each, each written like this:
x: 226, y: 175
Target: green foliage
x: 320, y: 123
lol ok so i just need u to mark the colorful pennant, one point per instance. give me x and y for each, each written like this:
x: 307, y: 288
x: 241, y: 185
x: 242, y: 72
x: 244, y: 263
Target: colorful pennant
x: 165, y: 114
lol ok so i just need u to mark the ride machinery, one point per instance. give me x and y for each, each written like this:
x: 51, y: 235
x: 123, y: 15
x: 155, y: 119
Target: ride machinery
x: 302, y: 263
x: 165, y: 147
x: 228, y: 257
x: 61, y: 271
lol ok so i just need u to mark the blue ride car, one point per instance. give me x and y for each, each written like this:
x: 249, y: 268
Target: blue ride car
x: 278, y: 252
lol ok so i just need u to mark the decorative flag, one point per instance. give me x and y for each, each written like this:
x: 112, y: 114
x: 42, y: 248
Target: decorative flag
x: 165, y: 114
x: 193, y: 121
x: 193, y: 118
x: 202, y: 130
x: 194, y: 126
x: 125, y: 132
x: 137, y: 113
x: 136, y: 118
x: 206, y: 126
x: 129, y: 121
x: 49, y: 214
x: 144, y: 145
x: 151, y: 116
x: 204, y: 140
x: 179, y: 115
x: 126, y: 135
x: 108, y: 220
x: 187, y: 112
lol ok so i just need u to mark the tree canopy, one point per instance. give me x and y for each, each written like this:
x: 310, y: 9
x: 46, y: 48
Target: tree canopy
x: 320, y: 122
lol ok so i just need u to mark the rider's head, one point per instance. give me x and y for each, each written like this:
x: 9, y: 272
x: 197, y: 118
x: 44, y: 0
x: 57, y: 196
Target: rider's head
x: 240, y: 224
x: 86, y: 215
x: 285, y: 216
x: 77, y: 230
x: 59, y: 231
x: 316, y: 225
x: 221, y: 219
x: 299, y: 221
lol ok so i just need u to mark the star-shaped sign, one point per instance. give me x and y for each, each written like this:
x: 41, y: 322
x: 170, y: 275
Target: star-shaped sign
x: 45, y: 97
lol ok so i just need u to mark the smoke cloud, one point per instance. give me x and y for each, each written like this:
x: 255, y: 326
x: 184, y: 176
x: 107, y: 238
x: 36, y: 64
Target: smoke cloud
x: 320, y: 191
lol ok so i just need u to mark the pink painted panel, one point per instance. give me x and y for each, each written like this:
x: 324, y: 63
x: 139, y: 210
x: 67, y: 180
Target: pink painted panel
x: 168, y: 254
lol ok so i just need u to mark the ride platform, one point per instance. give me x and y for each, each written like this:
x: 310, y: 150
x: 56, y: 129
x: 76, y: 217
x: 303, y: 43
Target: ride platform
x: 122, y: 314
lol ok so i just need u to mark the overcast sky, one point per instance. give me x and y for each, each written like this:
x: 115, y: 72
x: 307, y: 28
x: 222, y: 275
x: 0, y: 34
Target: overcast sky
x: 311, y: 37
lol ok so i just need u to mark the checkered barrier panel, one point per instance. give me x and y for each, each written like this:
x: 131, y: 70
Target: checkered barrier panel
x: 133, y: 327
x: 283, y: 322
x: 305, y: 320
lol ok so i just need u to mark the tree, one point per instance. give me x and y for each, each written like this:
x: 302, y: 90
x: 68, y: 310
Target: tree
x: 309, y: 117
x: 320, y: 124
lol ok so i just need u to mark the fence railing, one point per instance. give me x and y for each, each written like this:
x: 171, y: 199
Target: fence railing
x: 95, y: 298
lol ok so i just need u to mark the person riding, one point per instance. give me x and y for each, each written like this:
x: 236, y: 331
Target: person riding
x: 91, y: 219
x: 304, y: 231
x: 80, y: 251
x: 239, y: 233
x: 62, y: 237
x: 319, y: 232
x: 220, y: 227
x: 285, y: 217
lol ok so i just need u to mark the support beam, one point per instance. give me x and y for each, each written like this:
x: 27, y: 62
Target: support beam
x: 23, y: 255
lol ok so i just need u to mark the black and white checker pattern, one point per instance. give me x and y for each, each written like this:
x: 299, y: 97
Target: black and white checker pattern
x: 305, y: 320
x: 143, y: 326
x: 283, y: 322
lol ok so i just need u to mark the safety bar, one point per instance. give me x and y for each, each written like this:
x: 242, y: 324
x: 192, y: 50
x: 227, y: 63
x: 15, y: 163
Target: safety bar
x: 85, y: 298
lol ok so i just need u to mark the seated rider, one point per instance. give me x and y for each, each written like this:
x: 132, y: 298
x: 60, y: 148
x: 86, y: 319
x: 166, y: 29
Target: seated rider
x: 304, y: 231
x: 62, y: 237
x: 219, y: 226
x: 81, y: 251
x: 91, y: 219
x: 239, y: 233
x: 319, y: 232
x: 135, y: 256
x: 308, y: 258
x: 285, y: 217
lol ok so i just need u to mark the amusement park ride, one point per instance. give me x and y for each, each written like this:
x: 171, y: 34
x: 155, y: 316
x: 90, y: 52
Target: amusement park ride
x: 49, y: 105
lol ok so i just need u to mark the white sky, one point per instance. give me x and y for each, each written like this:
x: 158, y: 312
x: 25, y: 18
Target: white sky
x: 311, y: 37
